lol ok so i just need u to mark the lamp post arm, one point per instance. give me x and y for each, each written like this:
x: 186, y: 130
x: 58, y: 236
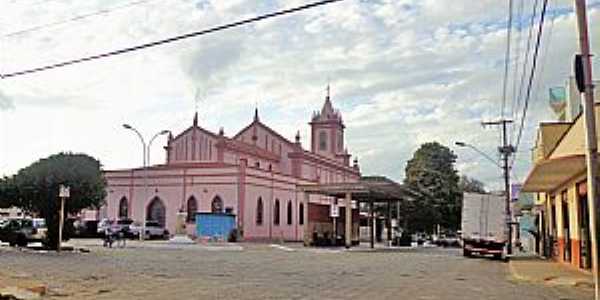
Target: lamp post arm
x: 150, y: 144
x: 143, y: 143
x: 484, y: 155
x: 143, y: 209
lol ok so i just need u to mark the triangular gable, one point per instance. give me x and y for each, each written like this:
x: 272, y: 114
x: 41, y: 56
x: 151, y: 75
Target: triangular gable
x: 263, y: 126
x: 200, y: 129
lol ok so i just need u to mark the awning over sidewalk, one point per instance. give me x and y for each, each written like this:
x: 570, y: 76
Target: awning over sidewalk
x: 547, y: 175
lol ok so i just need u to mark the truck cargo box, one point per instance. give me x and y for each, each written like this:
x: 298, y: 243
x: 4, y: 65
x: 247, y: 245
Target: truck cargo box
x: 483, y: 224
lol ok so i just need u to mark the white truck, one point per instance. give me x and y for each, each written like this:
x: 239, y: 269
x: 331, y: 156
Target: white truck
x: 484, y: 225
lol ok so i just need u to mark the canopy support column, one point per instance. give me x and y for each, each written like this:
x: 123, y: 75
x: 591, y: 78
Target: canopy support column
x: 307, y: 232
x: 389, y: 223
x: 348, y: 221
x: 372, y: 223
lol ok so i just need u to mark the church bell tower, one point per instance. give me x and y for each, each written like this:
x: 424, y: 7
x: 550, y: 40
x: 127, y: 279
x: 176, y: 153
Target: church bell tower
x: 327, y: 132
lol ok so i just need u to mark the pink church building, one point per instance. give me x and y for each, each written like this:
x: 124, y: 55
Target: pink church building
x: 254, y: 175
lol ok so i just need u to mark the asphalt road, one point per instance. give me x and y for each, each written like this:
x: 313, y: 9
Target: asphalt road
x: 261, y: 271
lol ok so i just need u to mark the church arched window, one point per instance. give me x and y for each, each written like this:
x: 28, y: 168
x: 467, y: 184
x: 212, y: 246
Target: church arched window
x: 322, y: 140
x: 217, y: 205
x: 156, y: 211
x: 192, y: 208
x: 259, y: 211
x: 123, y: 208
x: 301, y: 214
x: 289, y: 213
x: 276, y: 212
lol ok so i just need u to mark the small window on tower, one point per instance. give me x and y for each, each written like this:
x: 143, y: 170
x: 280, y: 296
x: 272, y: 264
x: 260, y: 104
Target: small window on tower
x: 323, y: 140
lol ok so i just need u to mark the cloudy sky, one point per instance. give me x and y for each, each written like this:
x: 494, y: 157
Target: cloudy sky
x: 402, y: 72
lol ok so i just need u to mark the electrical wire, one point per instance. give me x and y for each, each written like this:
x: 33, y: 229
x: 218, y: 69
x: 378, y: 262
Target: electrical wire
x: 544, y: 58
x: 531, y: 74
x: 73, y: 19
x: 169, y: 40
x: 526, y: 57
x: 507, y: 56
x: 516, y: 64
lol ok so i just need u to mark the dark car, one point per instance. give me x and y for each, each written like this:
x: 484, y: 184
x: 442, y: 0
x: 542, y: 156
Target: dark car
x: 19, y: 232
x: 85, y: 228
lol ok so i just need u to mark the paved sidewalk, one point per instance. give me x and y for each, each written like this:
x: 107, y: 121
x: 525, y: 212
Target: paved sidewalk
x: 534, y: 269
x: 156, y: 244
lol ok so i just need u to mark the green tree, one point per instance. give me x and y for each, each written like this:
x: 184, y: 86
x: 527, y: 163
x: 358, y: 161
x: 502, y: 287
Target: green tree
x: 470, y: 185
x: 8, y: 192
x: 431, y: 174
x: 35, y: 188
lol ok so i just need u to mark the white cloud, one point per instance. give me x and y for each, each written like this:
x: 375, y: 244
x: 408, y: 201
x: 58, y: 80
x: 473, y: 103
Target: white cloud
x: 403, y: 72
x: 5, y: 102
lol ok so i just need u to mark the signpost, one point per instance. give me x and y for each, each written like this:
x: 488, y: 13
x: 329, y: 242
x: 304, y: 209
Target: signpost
x: 334, y: 213
x: 63, y: 193
x: 334, y: 210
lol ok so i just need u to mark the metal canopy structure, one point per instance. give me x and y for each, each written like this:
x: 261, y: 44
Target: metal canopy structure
x: 369, y: 189
x: 378, y: 189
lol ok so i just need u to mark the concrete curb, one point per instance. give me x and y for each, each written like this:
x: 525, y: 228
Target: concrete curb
x: 550, y: 279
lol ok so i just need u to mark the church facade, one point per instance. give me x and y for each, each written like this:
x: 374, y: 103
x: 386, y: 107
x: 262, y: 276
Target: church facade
x: 254, y: 175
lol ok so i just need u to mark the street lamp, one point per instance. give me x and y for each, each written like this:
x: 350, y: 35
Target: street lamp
x: 146, y: 162
x: 463, y: 144
x: 163, y: 132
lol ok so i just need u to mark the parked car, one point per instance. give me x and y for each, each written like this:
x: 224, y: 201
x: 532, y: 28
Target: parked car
x: 419, y: 238
x: 103, y: 225
x: 85, y: 228
x: 41, y: 230
x: 115, y: 226
x: 123, y: 224
x: 450, y: 240
x: 153, y: 230
x: 21, y: 231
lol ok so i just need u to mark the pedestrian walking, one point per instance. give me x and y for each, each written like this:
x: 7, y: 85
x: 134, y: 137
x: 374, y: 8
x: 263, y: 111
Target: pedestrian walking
x: 108, y: 237
x: 123, y: 234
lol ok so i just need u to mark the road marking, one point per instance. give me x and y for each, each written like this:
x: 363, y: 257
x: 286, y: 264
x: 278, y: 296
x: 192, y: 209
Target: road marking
x: 321, y: 251
x: 281, y: 247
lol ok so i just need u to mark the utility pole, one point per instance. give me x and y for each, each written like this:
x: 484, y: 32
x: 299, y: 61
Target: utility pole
x: 505, y: 150
x: 591, y: 154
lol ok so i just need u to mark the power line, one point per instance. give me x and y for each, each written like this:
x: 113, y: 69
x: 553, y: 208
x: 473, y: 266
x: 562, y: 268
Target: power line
x: 169, y: 40
x: 531, y: 74
x: 526, y: 56
x: 543, y: 58
x: 507, y: 55
x: 516, y: 64
x: 544, y: 55
x: 74, y: 19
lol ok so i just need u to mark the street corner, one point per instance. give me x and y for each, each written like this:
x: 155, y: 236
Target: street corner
x: 536, y: 270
